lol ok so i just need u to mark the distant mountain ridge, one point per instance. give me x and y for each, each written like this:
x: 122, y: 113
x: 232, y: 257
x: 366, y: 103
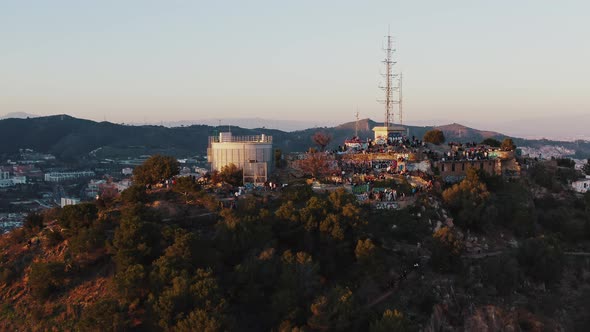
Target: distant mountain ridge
x: 72, y: 138
x: 18, y: 115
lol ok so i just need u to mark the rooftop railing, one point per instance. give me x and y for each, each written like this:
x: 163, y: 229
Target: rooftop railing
x: 242, y: 139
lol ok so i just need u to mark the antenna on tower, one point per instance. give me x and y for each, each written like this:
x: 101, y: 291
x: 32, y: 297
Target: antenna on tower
x: 388, y: 88
x: 399, y: 101
x: 356, y: 127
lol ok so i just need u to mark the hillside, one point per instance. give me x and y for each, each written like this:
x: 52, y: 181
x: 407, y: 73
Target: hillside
x: 295, y: 260
x: 71, y: 138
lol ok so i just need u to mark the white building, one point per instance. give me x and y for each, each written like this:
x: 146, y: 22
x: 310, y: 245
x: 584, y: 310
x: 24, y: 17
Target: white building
x: 253, y: 154
x: 127, y: 171
x: 69, y: 201
x: 4, y: 175
x: 65, y: 176
x: 582, y: 186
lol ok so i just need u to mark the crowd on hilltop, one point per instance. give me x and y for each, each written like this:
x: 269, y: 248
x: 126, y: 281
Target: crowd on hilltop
x: 468, y: 151
x: 404, y: 144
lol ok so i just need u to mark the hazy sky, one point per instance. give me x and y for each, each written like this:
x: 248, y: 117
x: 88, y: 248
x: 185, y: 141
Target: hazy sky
x: 480, y: 63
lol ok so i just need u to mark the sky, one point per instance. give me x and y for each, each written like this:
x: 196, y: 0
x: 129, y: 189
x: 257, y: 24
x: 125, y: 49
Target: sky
x: 517, y: 66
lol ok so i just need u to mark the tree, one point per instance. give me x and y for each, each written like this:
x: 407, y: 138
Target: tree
x: 467, y: 200
x: 542, y: 259
x: 491, y: 142
x: 434, y: 136
x: 392, y: 320
x: 232, y: 174
x: 364, y: 250
x: 315, y: 164
x: 447, y: 247
x: 321, y: 139
x: 155, y: 169
x: 77, y: 216
x: 508, y: 144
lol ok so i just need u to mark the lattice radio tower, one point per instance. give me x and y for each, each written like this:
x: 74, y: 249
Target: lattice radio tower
x: 399, y: 100
x: 389, y: 87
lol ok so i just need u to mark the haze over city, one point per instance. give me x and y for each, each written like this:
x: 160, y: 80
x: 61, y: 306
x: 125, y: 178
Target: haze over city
x: 515, y: 67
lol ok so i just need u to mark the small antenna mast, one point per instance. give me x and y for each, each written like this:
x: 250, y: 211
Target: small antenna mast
x: 356, y: 127
x: 399, y: 102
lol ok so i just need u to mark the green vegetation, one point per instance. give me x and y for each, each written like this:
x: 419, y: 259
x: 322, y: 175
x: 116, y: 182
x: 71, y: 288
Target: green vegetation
x: 155, y: 169
x: 46, y: 279
x: 434, y: 136
x: 542, y: 259
x: 229, y: 174
x: 467, y: 201
x: 295, y: 259
x: 492, y: 142
x: 508, y: 144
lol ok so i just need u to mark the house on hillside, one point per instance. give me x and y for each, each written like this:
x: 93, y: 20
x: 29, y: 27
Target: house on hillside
x: 582, y: 186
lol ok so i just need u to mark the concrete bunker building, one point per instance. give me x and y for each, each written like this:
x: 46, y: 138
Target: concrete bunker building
x: 253, y: 154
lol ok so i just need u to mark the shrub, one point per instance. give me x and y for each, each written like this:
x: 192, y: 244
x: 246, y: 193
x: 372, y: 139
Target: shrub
x: 77, y: 216
x: 542, y: 259
x: 46, y: 278
x: 434, y: 136
x: 105, y: 315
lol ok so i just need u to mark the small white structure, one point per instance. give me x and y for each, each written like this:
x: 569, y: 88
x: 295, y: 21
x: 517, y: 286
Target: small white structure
x: 582, y: 186
x: 65, y: 201
x: 127, y: 171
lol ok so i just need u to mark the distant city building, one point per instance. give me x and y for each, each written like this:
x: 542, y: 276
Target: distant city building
x: 127, y: 171
x: 253, y: 154
x: 582, y: 186
x: 123, y: 184
x: 65, y: 176
x: 65, y: 201
x: 7, y: 181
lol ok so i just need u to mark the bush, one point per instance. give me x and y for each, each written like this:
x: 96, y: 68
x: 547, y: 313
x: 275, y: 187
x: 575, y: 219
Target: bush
x: 491, y: 142
x: 46, y: 278
x: 392, y: 320
x: 447, y: 247
x: 434, y: 136
x: 77, y: 216
x: 105, y: 315
x: 33, y: 221
x: 87, y: 240
x: 502, y: 272
x: 134, y: 194
x: 7, y: 275
x: 542, y: 259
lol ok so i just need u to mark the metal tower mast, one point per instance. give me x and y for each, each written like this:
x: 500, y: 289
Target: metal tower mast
x: 356, y: 127
x: 399, y: 101
x: 388, y: 88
